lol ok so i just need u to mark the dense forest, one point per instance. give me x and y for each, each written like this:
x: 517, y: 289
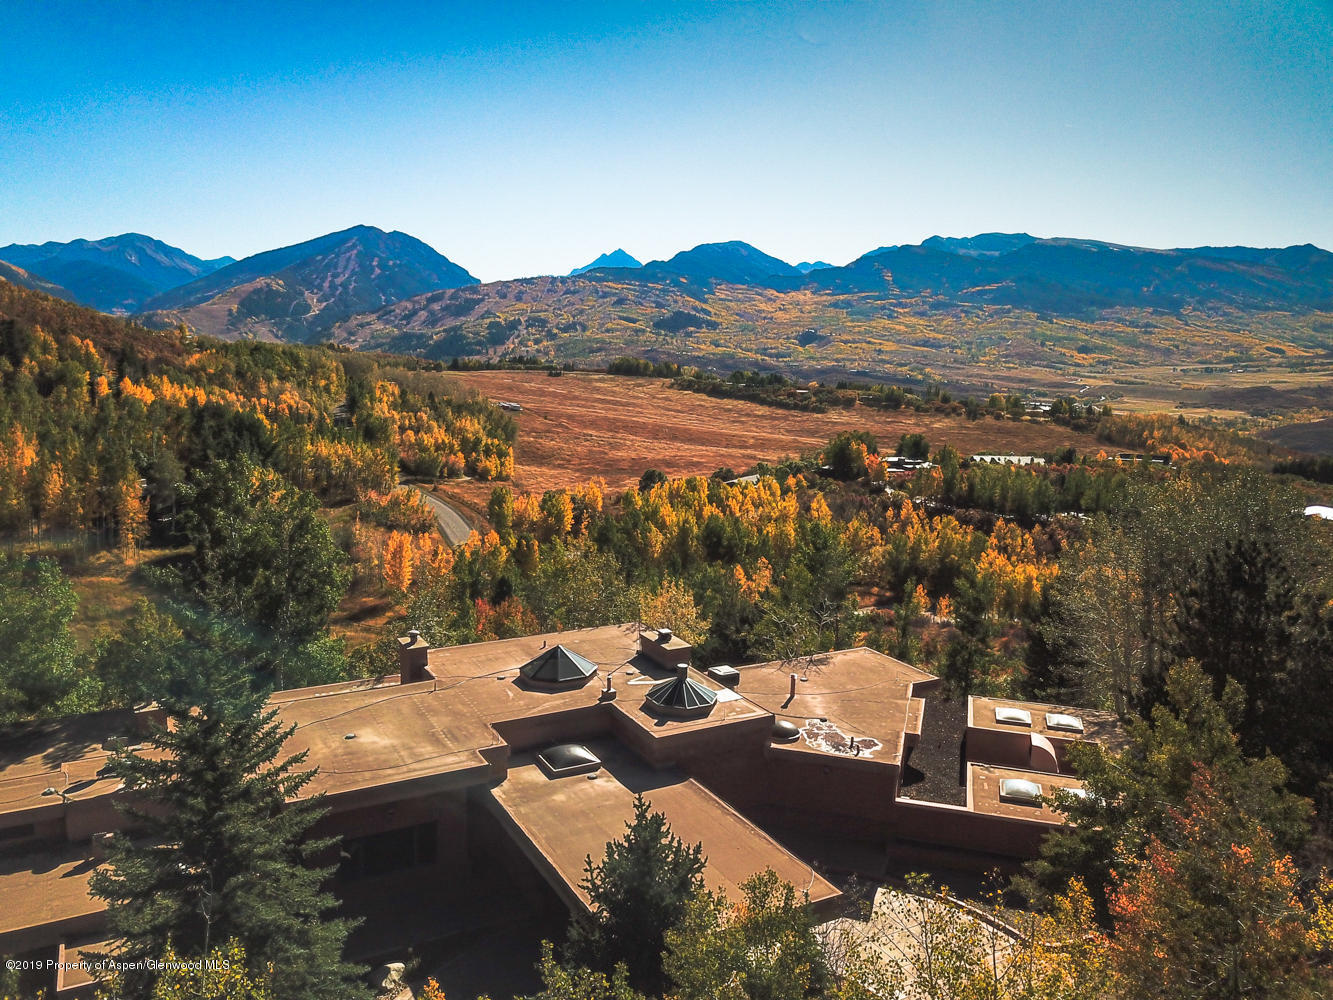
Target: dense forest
x: 101, y: 419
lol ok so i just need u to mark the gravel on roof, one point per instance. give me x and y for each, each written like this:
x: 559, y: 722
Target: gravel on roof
x: 933, y: 771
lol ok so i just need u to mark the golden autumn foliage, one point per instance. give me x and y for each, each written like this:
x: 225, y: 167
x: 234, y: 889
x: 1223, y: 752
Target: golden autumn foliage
x: 223, y: 974
x: 1213, y: 902
x: 672, y: 606
x: 398, y: 561
x: 131, y: 519
x: 741, y: 557
x: 87, y: 396
x: 402, y: 509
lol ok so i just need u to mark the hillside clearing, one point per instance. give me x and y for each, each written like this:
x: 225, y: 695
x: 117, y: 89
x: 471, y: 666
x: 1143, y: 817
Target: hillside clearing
x: 580, y: 427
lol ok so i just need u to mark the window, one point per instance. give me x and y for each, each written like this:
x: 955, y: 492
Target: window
x: 1065, y: 723
x: 1020, y: 790
x: 391, y: 851
x: 1013, y: 716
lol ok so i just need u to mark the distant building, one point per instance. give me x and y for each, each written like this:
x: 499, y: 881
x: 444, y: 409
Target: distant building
x: 897, y: 463
x: 492, y: 770
x: 512, y: 407
x: 1006, y: 460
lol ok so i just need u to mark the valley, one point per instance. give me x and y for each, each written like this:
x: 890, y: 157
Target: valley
x: 587, y: 426
x: 666, y: 501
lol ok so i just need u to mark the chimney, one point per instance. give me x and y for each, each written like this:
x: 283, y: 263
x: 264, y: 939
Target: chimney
x: 101, y: 844
x: 148, y: 716
x: 664, y: 647
x: 413, y: 652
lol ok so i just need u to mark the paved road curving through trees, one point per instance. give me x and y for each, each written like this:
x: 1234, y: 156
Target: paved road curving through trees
x: 452, y: 524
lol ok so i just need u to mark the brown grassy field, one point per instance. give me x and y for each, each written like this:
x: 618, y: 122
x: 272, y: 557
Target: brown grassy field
x: 1242, y: 392
x: 107, y: 594
x: 1313, y: 437
x: 580, y: 427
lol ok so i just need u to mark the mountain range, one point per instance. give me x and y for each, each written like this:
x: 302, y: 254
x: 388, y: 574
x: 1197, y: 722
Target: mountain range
x: 116, y: 274
x: 369, y: 288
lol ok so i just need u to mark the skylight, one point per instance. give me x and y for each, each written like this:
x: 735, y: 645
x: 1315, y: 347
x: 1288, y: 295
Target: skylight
x: 1020, y: 790
x: 1082, y: 794
x: 1013, y: 716
x: 568, y: 758
x: 1066, y: 723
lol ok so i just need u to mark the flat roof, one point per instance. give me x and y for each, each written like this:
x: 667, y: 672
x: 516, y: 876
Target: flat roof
x: 383, y: 735
x: 983, y: 792
x: 1098, y: 726
x: 45, y: 888
x: 561, y: 821
x: 374, y: 732
x: 486, y: 677
x: 860, y: 694
x: 65, y: 754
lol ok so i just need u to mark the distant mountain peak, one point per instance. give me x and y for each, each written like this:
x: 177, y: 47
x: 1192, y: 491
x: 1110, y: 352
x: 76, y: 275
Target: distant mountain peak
x: 616, y: 258
x: 981, y: 245
x: 806, y: 266
x: 297, y: 292
x: 733, y: 261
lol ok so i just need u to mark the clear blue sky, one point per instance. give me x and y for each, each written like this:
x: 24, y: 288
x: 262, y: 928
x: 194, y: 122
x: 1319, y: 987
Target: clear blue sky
x: 523, y: 139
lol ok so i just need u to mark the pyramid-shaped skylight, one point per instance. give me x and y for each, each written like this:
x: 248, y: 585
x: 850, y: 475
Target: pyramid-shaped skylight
x: 558, y: 666
x: 682, y: 696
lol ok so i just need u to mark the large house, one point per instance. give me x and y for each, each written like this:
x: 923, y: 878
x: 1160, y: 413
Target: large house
x: 520, y: 758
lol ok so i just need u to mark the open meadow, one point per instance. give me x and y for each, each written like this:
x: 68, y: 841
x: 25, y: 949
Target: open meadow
x: 579, y: 427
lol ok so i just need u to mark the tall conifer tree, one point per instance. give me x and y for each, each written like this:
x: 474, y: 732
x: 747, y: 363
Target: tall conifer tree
x: 220, y: 849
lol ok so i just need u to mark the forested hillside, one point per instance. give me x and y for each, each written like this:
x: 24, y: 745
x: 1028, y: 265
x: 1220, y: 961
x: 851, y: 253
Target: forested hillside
x: 102, y: 419
x: 834, y: 331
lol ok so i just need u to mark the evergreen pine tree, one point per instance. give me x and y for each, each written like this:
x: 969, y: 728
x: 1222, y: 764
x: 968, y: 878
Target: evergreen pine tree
x: 219, y: 849
x: 638, y: 891
x: 1137, y: 791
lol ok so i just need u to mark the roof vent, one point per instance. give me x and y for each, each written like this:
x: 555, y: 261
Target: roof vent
x: 681, y: 697
x: 1020, y: 790
x: 565, y: 759
x: 557, y: 667
x: 1064, y: 723
x: 664, y: 635
x: 1013, y: 716
x: 785, y: 732
x: 724, y: 674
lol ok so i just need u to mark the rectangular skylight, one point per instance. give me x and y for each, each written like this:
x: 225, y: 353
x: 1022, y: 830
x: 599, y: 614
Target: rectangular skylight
x: 1082, y: 794
x: 1020, y: 790
x: 1065, y: 723
x: 1013, y: 716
